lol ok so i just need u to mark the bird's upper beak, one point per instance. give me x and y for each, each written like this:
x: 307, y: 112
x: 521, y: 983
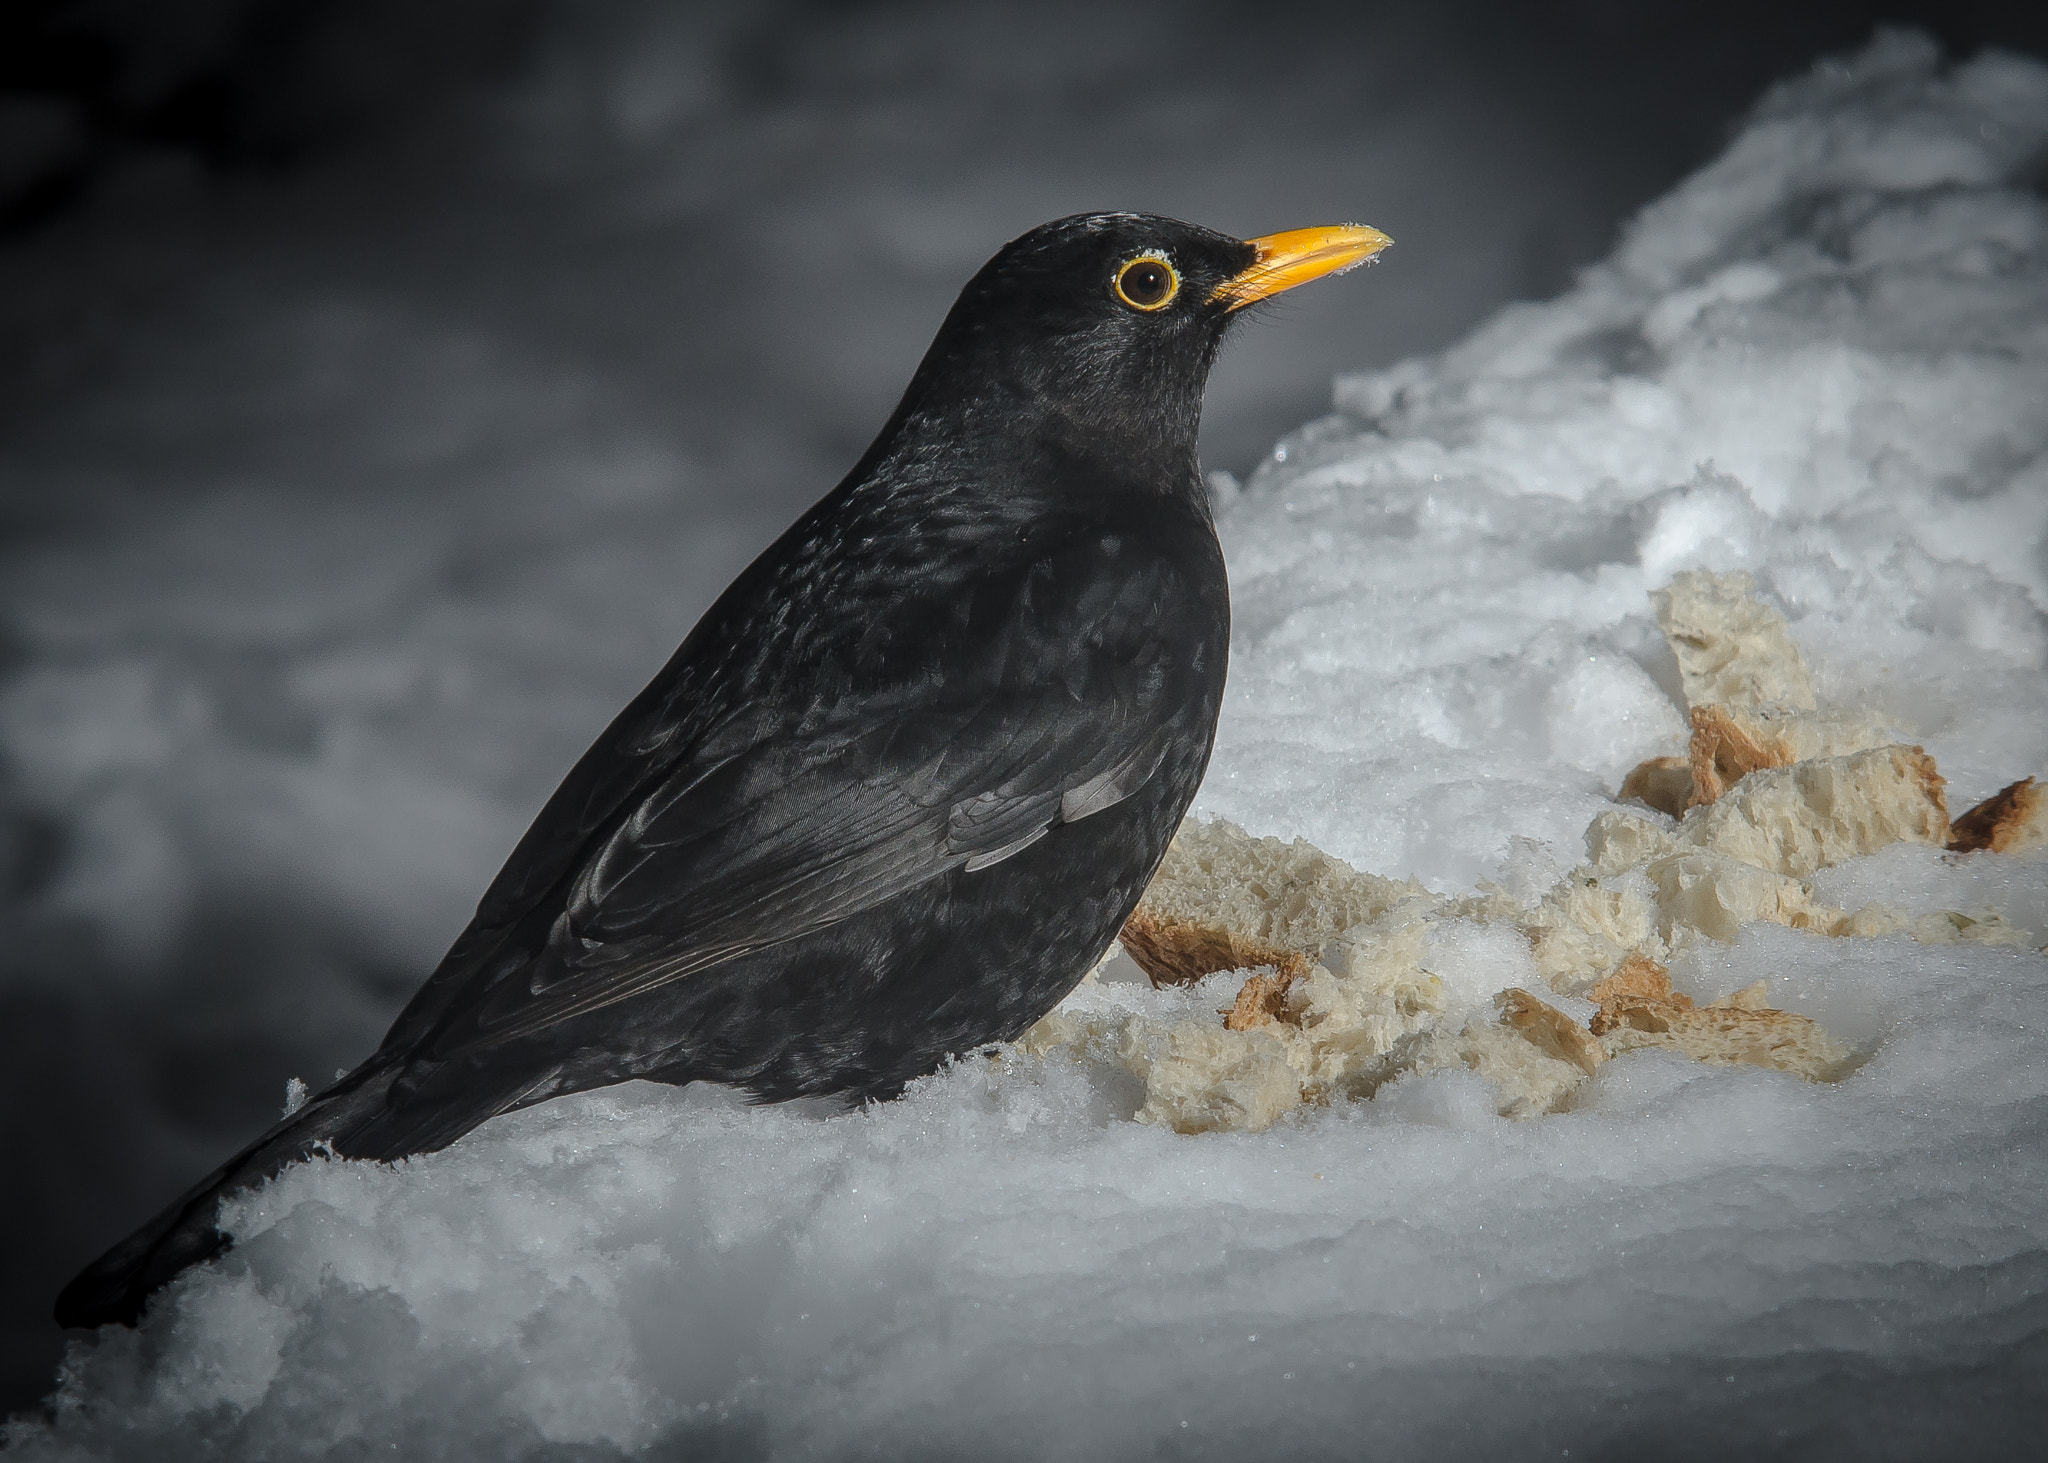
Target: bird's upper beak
x: 1298, y: 256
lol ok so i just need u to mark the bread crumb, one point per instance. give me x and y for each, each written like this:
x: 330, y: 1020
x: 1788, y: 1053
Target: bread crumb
x: 1797, y: 820
x: 1585, y: 924
x: 2012, y: 820
x: 1733, y: 649
x: 1723, y: 752
x: 1801, y: 736
x: 1756, y: 996
x: 1732, y: 1036
x: 1663, y: 783
x: 1699, y: 889
x: 1637, y: 978
x: 1551, y: 1031
x: 1638, y: 1008
x: 1225, y: 900
x: 1261, y: 1001
x: 1207, y: 1079
x: 1182, y: 951
x: 1527, y: 1081
x: 1617, y: 841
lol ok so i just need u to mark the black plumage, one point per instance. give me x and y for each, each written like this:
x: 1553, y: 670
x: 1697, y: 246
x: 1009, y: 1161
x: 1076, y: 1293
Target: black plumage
x: 903, y: 782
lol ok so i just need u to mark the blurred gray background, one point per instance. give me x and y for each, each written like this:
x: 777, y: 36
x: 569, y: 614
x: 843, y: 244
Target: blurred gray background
x: 385, y: 388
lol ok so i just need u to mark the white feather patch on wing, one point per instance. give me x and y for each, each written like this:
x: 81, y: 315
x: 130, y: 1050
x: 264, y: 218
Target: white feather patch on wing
x: 997, y: 855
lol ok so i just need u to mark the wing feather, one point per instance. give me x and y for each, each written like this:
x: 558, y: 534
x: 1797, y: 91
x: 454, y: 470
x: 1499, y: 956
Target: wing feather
x: 790, y: 819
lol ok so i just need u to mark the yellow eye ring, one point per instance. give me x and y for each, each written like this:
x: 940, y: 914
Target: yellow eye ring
x: 1147, y: 282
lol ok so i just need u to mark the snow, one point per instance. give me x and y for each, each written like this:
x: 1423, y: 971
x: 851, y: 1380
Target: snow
x: 1820, y: 361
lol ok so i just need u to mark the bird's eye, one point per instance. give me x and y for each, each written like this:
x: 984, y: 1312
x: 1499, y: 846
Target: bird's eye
x: 1147, y: 283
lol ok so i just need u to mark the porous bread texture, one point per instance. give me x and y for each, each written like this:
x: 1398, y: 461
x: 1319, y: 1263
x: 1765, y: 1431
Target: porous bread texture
x: 1716, y: 895
x: 1732, y: 648
x: 1748, y: 695
x: 1586, y: 924
x: 2012, y: 820
x: 1799, y: 819
x: 1181, y: 952
x: 1528, y: 1080
x: 1743, y: 858
x: 1206, y: 1079
x: 1224, y: 900
x: 1723, y: 751
x: 1549, y: 1030
x: 1833, y: 731
x: 1729, y: 743
x: 1638, y: 1009
x: 1617, y: 840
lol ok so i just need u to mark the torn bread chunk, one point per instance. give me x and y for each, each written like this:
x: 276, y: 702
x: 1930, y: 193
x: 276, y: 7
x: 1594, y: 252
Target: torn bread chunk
x: 1663, y: 783
x: 1548, y: 1029
x: 1801, y: 736
x: 1799, y: 819
x: 1587, y: 923
x: 1225, y: 900
x: 2012, y: 820
x: 1716, y: 894
x: 1639, y: 1009
x: 1181, y: 952
x: 1723, y: 752
x: 1261, y: 1001
x: 1729, y: 743
x: 1374, y: 993
x: 1637, y: 978
x: 1201, y: 1078
x: 1528, y: 1081
x: 1735, y: 1036
x: 1733, y: 649
x: 1617, y: 841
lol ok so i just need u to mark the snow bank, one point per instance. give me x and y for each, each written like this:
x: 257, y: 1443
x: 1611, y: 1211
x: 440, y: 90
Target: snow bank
x: 1820, y: 361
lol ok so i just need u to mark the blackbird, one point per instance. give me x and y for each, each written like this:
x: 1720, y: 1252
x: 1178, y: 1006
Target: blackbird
x: 903, y: 782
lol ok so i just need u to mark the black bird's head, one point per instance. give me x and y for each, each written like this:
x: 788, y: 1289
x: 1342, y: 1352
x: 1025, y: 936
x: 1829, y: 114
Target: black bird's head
x: 1099, y: 330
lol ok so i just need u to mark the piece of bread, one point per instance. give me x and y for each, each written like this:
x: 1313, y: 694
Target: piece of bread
x: 1730, y: 743
x: 1527, y: 1080
x: 1728, y: 1036
x: 1549, y: 1030
x: 1638, y: 1009
x: 1224, y: 900
x: 1181, y: 951
x: 1723, y: 752
x: 1637, y: 978
x: 2012, y: 820
x: 1733, y: 649
x: 1618, y: 841
x: 1698, y: 889
x: 1799, y: 819
x: 1587, y: 922
x: 1202, y: 1078
x: 1664, y: 783
x: 1261, y: 1001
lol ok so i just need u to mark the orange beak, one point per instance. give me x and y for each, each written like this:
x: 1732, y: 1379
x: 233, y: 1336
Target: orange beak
x: 1298, y: 256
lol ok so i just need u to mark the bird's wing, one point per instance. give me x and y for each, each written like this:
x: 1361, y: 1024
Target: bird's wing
x: 1055, y: 703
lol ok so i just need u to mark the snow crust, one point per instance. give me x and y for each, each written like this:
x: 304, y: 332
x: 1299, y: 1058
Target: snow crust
x: 1822, y: 361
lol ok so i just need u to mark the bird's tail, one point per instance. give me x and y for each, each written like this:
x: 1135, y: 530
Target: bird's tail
x: 115, y: 1287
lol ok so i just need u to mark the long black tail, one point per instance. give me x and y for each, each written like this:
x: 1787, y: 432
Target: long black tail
x: 117, y: 1285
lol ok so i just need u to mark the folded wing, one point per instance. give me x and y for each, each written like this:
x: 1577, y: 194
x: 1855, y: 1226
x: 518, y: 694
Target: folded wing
x: 783, y: 818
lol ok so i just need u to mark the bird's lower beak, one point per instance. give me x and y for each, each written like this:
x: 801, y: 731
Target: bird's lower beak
x: 1298, y: 256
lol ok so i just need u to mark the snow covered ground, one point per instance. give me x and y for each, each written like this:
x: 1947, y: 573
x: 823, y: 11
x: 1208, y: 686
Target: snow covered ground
x: 1821, y: 360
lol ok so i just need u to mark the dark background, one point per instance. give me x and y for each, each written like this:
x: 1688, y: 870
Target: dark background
x: 479, y: 342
